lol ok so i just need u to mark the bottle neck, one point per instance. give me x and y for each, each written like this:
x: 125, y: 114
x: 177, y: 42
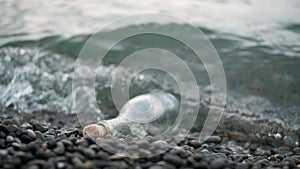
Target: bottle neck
x: 115, y: 125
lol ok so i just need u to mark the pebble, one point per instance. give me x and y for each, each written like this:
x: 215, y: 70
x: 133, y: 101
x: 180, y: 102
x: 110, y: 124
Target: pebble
x: 218, y: 163
x: 296, y: 150
x: 214, y: 139
x: 39, y: 127
x: 89, y: 153
x: 143, y: 144
x: 39, y: 135
x: 161, y: 145
x: 31, y: 133
x: 195, y: 143
x: 60, y: 149
x: 26, y: 126
x: 9, y: 139
x: 173, y: 159
x: 38, y: 146
x: 296, y: 159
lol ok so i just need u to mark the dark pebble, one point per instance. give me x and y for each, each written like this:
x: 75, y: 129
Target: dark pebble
x: 214, y: 139
x: 60, y: 149
x: 16, y: 122
x: 263, y: 162
x: 25, y: 138
x: 39, y: 135
x: 89, y: 153
x: 2, y: 143
x: 296, y: 150
x: 71, y: 131
x: 4, y: 129
x: 2, y: 135
x: 173, y: 159
x: 12, y: 128
x: 40, y: 127
x: 218, y: 163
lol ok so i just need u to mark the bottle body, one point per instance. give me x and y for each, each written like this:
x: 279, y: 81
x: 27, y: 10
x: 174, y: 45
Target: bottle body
x: 148, y: 114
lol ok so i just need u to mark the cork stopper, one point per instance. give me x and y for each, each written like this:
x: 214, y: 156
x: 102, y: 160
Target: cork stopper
x: 94, y: 129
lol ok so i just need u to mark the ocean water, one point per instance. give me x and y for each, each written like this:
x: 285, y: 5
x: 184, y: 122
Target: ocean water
x: 258, y: 43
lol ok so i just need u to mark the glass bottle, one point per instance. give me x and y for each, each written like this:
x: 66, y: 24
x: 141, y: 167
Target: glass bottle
x: 147, y: 114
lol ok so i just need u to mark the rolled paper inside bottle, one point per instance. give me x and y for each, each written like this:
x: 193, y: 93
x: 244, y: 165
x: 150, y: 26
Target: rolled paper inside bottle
x: 94, y: 129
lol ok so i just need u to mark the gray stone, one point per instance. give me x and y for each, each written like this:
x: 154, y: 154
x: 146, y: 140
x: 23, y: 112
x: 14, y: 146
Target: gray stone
x: 9, y: 139
x: 214, y: 139
x: 60, y: 149
x: 39, y: 135
x: 89, y: 153
x: 173, y: 159
x: 296, y: 150
x: 218, y: 163
x: 31, y: 134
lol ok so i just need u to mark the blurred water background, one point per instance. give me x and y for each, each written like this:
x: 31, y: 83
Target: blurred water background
x: 257, y: 41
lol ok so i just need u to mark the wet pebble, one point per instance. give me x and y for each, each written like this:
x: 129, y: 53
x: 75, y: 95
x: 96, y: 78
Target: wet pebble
x: 296, y: 150
x: 40, y: 127
x: 39, y: 135
x: 9, y: 139
x: 173, y: 159
x: 218, y: 163
x: 214, y: 139
x: 31, y: 133
x: 60, y: 149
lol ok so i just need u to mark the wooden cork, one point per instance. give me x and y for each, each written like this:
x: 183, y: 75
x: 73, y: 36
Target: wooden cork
x: 94, y: 129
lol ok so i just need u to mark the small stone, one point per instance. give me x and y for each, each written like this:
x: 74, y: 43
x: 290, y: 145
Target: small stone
x: 9, y: 139
x: 263, y: 162
x: 144, y: 153
x: 12, y: 128
x: 163, y: 145
x: 4, y: 129
x: 67, y: 142
x: 195, y: 143
x: 157, y: 167
x: 2, y: 135
x: 31, y: 133
x: 288, y: 161
x: 16, y: 145
x: 71, y: 131
x: 25, y: 138
x: 3, y: 152
x: 218, y: 163
x: 296, y: 150
x: 77, y: 162
x: 33, y: 167
x: 108, y: 148
x: 296, y: 159
x: 16, y: 122
x: 128, y: 138
x: 26, y: 126
x: 36, y: 162
x: 143, y: 144
x: 61, y: 165
x: 60, y: 149
x: 39, y: 135
x: 40, y: 127
x: 89, y: 153
x: 173, y: 159
x: 214, y: 139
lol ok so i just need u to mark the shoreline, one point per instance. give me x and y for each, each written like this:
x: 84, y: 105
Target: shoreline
x: 41, y: 141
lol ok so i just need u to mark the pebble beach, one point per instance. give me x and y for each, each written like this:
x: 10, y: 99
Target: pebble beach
x: 46, y: 143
